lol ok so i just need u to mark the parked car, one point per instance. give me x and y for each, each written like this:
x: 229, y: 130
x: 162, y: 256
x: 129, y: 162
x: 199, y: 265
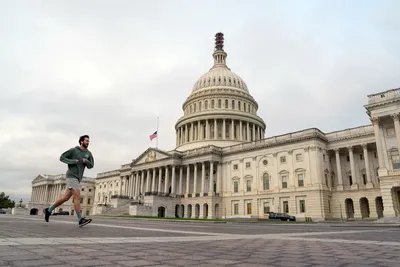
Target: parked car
x: 61, y: 213
x: 281, y: 216
x: 3, y: 212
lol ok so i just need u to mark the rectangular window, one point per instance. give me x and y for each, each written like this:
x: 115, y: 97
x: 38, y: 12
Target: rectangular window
x: 248, y: 207
x: 299, y: 157
x: 235, y: 166
x: 300, y: 177
x: 266, y: 207
x: 329, y: 205
x: 283, y: 159
x: 88, y: 201
x: 248, y: 164
x: 285, y: 207
x: 236, y: 186
x: 284, y: 181
x: 302, y: 205
x: 364, y: 178
x: 248, y: 185
x: 396, y: 162
x: 350, y: 180
x: 236, y: 209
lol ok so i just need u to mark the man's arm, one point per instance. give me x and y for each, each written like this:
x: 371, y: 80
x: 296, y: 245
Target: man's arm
x: 90, y: 161
x: 66, y: 157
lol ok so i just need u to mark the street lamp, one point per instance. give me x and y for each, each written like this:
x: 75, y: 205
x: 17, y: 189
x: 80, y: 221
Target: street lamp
x: 20, y: 203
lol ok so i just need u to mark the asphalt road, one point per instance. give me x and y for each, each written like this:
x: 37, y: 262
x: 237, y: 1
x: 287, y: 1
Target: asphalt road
x: 30, y: 241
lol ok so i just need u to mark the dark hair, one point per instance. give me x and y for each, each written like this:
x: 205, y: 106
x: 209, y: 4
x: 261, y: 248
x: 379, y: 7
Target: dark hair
x: 83, y: 138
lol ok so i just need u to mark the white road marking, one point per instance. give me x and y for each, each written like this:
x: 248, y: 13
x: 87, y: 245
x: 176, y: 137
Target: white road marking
x: 131, y: 227
x: 348, y: 241
x: 109, y: 240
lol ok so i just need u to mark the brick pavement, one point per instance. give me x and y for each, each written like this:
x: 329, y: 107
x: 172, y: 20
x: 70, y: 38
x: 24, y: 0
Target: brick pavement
x: 29, y: 241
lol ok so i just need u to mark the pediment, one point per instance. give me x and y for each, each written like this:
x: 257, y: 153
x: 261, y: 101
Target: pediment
x: 38, y: 179
x: 150, y: 155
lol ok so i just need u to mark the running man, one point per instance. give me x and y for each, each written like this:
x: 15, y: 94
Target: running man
x: 77, y: 159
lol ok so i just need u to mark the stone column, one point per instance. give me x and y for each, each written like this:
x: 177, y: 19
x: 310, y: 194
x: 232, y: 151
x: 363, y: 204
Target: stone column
x: 219, y: 180
x: 137, y: 185
x: 240, y: 131
x: 186, y: 133
x: 223, y: 129
x: 153, y: 184
x: 166, y: 185
x: 191, y: 138
x: 198, y: 130
x: 367, y: 169
x: 203, y: 178
x: 207, y: 131
x: 148, y: 181
x: 180, y: 180
x: 187, y: 179
x: 395, y: 118
x: 215, y: 129
x: 233, y: 130
x: 382, y: 168
x: 159, y: 180
x: 132, y: 185
x: 248, y: 131
x: 195, y: 180
x: 338, y: 170
x: 353, y: 173
x: 254, y: 132
x: 173, y: 182
x: 210, y: 185
x: 142, y: 189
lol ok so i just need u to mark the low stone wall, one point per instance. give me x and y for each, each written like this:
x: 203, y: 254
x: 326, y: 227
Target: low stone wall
x: 140, y: 210
x: 19, y: 211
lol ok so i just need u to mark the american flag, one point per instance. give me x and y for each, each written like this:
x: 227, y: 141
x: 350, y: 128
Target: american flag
x: 154, y: 135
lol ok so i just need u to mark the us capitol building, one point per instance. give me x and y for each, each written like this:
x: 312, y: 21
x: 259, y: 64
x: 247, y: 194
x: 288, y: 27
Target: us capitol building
x: 224, y: 167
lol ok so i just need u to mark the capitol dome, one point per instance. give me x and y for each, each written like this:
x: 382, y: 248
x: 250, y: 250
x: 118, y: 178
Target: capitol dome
x: 220, y: 110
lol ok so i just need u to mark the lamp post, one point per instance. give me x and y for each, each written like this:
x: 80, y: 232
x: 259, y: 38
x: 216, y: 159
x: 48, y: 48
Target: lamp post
x: 20, y: 203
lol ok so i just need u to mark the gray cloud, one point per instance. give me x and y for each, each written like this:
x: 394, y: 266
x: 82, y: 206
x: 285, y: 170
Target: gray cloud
x: 109, y: 69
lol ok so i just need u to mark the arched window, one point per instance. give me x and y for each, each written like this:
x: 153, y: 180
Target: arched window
x: 265, y: 181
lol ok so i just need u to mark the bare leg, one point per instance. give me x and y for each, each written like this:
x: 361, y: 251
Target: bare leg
x: 65, y: 197
x: 77, y: 202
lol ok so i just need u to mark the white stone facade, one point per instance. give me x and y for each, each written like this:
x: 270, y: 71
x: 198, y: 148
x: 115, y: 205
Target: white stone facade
x: 46, y: 189
x: 223, y: 166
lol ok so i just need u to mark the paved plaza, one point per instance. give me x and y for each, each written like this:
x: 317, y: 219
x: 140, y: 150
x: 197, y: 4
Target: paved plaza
x: 30, y: 241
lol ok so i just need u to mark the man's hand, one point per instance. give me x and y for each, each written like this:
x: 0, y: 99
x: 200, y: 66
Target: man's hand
x: 84, y: 160
x: 76, y: 162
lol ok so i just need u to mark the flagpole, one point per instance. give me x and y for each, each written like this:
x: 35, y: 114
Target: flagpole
x: 157, y: 135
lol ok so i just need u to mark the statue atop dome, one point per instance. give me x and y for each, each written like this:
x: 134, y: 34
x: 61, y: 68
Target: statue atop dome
x: 219, y: 41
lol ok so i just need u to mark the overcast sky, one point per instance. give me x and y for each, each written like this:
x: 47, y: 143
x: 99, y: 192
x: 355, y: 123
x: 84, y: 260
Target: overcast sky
x: 109, y: 68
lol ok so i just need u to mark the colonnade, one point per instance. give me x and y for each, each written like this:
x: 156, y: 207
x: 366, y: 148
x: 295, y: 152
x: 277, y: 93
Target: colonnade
x: 190, y: 180
x: 354, y: 183
x: 47, y: 193
x: 222, y: 129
